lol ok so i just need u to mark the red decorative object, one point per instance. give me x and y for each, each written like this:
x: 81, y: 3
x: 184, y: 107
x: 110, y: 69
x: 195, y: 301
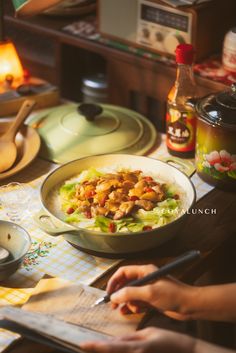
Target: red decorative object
x: 213, y: 70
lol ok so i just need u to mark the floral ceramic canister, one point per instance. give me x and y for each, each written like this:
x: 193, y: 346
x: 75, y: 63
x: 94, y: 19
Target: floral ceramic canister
x: 216, y: 139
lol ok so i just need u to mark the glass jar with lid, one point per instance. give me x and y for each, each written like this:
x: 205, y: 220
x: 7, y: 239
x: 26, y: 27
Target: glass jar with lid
x: 95, y: 89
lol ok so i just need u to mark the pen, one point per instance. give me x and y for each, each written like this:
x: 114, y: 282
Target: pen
x: 163, y: 271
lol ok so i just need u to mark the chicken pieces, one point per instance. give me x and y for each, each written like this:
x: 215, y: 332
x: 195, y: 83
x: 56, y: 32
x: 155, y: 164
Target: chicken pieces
x: 117, y: 195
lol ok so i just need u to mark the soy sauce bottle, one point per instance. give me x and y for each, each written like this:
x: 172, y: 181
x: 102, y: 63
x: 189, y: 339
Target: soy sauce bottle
x: 181, y: 117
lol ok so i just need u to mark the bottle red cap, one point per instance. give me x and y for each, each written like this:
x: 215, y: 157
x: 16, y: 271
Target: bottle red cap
x: 184, y: 54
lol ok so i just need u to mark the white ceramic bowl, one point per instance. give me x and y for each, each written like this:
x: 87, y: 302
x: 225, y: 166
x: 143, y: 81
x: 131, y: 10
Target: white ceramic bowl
x: 17, y: 241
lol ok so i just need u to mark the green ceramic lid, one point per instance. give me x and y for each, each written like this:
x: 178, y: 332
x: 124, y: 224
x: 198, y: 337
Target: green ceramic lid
x: 74, y: 131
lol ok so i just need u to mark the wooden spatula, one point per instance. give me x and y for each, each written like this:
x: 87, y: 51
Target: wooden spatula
x: 8, y: 150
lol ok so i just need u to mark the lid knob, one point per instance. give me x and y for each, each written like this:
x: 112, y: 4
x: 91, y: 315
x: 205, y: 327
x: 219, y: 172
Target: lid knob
x: 90, y: 110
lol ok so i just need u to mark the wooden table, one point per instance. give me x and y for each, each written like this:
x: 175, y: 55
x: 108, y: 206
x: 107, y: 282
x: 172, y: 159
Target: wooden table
x: 213, y: 234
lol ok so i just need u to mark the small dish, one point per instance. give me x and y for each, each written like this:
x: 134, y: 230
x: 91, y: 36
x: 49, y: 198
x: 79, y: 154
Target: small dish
x: 17, y: 241
x: 28, y: 144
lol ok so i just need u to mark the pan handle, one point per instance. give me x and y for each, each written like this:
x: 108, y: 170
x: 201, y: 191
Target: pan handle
x: 51, y: 225
x: 185, y: 166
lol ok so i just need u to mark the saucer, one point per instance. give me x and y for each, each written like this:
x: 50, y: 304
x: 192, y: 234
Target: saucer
x: 28, y: 144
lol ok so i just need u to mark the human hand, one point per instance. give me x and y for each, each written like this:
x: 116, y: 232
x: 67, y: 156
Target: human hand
x: 167, y: 295
x: 150, y: 340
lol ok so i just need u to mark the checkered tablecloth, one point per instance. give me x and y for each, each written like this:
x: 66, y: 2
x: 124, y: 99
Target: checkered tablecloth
x: 50, y: 255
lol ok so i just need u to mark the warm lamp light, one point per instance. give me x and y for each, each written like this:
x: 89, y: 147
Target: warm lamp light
x: 9, y: 62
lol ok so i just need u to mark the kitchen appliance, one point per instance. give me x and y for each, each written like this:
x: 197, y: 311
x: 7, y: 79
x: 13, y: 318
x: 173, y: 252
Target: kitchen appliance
x: 111, y: 244
x: 216, y: 143
x: 159, y: 27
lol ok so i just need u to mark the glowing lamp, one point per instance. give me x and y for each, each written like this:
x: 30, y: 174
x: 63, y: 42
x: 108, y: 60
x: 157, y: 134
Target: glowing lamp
x: 9, y: 62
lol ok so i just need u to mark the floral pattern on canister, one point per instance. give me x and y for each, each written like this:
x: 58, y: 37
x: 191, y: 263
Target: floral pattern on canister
x: 219, y: 165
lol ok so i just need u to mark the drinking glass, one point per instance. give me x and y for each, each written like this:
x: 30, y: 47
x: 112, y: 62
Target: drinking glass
x: 15, y: 200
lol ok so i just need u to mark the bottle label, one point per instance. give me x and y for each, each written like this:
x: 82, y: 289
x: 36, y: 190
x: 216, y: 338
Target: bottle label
x: 181, y: 127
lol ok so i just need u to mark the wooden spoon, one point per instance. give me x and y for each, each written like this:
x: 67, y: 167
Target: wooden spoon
x: 8, y: 150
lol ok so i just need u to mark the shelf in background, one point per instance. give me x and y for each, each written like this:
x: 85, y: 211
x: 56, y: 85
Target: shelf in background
x: 135, y: 81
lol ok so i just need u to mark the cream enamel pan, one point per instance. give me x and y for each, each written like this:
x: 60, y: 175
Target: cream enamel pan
x: 113, y: 244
